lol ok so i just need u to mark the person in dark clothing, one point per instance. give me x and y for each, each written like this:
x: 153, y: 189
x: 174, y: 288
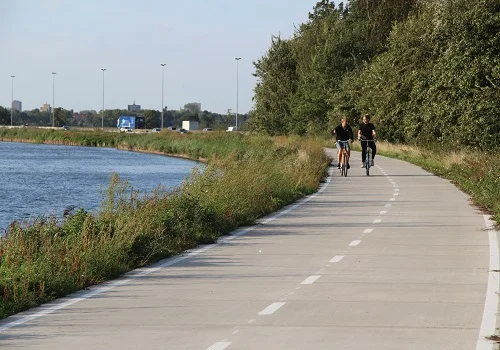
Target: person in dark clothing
x: 366, y: 131
x: 343, y: 132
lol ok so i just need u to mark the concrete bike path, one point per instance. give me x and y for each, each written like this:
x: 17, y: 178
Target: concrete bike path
x: 397, y: 260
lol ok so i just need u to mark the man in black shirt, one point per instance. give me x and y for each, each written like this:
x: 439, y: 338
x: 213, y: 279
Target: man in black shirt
x: 343, y: 132
x: 366, y: 131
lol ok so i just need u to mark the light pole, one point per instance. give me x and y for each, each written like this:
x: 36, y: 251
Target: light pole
x: 12, y: 103
x: 237, y: 60
x: 162, y: 83
x: 102, y: 114
x: 53, y: 97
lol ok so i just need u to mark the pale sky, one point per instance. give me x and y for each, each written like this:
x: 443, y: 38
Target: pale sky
x: 198, y: 41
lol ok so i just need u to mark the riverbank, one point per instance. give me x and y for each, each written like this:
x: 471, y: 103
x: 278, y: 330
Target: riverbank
x: 246, y: 177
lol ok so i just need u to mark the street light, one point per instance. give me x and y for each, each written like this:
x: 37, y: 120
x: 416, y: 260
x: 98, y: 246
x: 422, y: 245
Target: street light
x: 53, y: 97
x: 237, y: 60
x: 12, y: 103
x: 102, y: 114
x: 162, y: 81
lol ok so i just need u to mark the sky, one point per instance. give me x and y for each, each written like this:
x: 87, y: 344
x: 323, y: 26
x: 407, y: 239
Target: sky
x: 197, y: 40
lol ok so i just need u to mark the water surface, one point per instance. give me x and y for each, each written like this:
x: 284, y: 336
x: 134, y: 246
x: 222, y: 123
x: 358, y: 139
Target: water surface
x: 38, y: 179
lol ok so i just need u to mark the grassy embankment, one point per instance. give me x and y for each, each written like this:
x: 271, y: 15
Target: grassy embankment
x: 246, y: 177
x: 477, y: 174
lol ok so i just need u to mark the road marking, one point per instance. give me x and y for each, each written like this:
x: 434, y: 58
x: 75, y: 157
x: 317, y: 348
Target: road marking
x: 310, y: 279
x: 395, y: 186
x: 220, y: 345
x: 491, y: 302
x: 320, y: 271
x: 337, y: 258
x: 47, y: 309
x: 395, y: 194
x: 383, y: 212
x: 354, y: 243
x: 396, y: 189
x: 392, y: 199
x: 388, y: 205
x: 368, y: 230
x: 236, y: 332
x: 377, y: 221
x: 271, y: 309
x: 251, y: 321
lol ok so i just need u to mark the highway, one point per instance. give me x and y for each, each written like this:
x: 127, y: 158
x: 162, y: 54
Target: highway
x: 397, y: 260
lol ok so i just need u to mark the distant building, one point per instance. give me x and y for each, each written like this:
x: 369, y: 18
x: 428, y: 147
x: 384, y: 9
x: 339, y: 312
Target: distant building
x: 134, y: 108
x: 193, y: 107
x: 45, y: 108
x: 17, y: 105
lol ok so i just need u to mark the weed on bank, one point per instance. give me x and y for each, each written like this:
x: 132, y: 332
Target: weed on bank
x: 245, y: 178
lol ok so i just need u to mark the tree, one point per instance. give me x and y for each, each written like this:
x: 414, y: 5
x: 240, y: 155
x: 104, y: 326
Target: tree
x: 277, y: 82
x: 4, y: 116
x: 152, y: 118
x: 62, y: 117
x: 193, y: 107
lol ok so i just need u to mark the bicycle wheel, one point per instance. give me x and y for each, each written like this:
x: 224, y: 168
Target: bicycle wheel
x: 346, y: 161
x: 367, y: 163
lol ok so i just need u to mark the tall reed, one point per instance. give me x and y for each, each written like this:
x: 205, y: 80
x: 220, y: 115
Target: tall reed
x: 245, y: 177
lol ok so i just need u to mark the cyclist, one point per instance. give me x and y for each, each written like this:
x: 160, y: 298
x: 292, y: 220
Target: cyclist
x: 366, y: 131
x: 343, y: 132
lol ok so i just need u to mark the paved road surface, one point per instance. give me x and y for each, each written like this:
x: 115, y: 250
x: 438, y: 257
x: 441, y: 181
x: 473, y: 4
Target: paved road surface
x: 397, y: 260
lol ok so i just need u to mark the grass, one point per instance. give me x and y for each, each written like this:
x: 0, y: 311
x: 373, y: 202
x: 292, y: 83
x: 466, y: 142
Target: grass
x: 246, y: 177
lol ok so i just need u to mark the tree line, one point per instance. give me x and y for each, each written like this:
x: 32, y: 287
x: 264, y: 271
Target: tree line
x: 94, y: 119
x: 426, y: 70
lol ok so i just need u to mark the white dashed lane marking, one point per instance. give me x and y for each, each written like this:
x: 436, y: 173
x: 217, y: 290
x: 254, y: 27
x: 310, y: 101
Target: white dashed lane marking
x: 271, y: 309
x: 220, y: 345
x: 310, y: 279
x: 337, y: 258
x: 354, y: 243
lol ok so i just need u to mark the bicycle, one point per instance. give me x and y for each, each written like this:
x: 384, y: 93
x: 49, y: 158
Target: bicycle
x: 344, y: 158
x: 368, y: 157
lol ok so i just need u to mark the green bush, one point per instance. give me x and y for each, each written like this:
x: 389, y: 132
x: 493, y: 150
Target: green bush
x: 245, y: 177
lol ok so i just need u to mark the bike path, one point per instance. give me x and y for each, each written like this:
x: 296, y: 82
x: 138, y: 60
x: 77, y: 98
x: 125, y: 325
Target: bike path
x: 397, y: 260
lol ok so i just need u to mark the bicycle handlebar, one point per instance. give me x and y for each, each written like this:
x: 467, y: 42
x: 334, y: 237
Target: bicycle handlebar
x: 366, y: 140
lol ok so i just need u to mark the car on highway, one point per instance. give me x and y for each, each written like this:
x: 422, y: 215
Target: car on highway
x: 125, y: 129
x: 207, y: 129
x: 183, y: 131
x: 156, y: 130
x: 65, y: 127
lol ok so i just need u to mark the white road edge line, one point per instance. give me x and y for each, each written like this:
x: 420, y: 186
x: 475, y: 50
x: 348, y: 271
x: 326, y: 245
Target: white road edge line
x: 368, y: 230
x: 50, y: 308
x: 354, y: 243
x: 489, y: 321
x: 271, y: 309
x: 310, y: 279
x: 220, y: 345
